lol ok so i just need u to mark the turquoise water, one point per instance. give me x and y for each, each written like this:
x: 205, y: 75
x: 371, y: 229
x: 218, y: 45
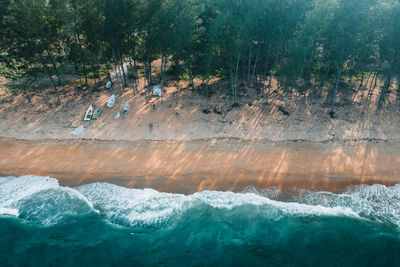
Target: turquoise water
x: 42, y: 223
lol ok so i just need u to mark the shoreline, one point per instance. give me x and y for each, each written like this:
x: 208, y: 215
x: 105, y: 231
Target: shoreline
x: 222, y: 164
x: 208, y: 139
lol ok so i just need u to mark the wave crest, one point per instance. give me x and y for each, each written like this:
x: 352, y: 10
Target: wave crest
x: 132, y: 207
x: 376, y: 202
x: 42, y: 201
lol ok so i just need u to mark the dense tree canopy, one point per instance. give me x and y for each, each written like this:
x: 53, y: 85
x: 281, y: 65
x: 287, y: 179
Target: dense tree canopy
x: 304, y: 44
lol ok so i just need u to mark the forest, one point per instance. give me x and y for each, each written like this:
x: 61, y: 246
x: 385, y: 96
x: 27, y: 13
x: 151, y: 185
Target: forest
x: 307, y: 46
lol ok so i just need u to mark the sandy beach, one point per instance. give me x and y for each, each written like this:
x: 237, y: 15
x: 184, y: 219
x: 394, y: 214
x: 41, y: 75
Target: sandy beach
x: 180, y: 116
x: 179, y: 148
x: 217, y: 164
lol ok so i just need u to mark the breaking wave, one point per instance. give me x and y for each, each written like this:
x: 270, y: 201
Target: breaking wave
x: 42, y: 201
x: 43, y: 223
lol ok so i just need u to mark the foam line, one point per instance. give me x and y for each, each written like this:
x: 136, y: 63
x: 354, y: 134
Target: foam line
x: 42, y: 200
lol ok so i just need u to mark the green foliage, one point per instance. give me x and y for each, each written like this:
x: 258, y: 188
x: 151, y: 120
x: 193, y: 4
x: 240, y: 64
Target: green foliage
x: 239, y: 40
x: 21, y: 85
x: 133, y: 73
x: 6, y: 72
x: 179, y: 71
x: 97, y: 72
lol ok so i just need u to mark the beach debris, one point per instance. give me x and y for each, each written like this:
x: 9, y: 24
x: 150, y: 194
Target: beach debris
x: 217, y: 111
x: 126, y: 109
x: 109, y: 84
x: 121, y: 103
x: 284, y: 111
x: 111, y: 102
x: 78, y: 131
x: 117, y: 116
x: 89, y: 113
x: 235, y: 105
x: 96, y: 113
x: 157, y: 91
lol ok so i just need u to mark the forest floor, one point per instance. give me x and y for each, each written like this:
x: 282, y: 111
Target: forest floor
x: 181, y: 116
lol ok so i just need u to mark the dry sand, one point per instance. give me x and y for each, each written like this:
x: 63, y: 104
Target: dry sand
x: 181, y: 117
x: 235, y: 147
x: 190, y: 166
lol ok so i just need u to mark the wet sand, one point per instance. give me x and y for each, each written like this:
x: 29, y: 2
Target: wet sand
x: 190, y: 166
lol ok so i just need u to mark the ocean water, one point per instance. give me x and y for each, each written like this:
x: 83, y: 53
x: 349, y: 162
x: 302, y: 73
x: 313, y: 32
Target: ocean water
x: 43, y: 224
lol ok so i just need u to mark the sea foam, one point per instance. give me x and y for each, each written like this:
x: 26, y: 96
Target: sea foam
x: 12, y: 212
x: 43, y: 201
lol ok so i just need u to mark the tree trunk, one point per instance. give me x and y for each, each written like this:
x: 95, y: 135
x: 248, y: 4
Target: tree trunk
x: 162, y: 70
x: 40, y: 91
x: 190, y: 73
x: 254, y: 69
x: 384, y: 90
x: 248, y: 75
x: 94, y: 75
x: 315, y: 84
x: 146, y: 80
x: 236, y: 80
x: 136, y: 78
x: 150, y: 73
x: 362, y: 81
x: 28, y: 97
x: 376, y: 76
x: 249, y: 68
x: 336, y: 87
x: 264, y: 79
x: 321, y: 86
x: 82, y: 53
x: 54, y: 66
x: 131, y: 69
x: 300, y: 76
x: 207, y: 92
x: 231, y: 80
x: 270, y: 76
x: 286, y: 99
x: 148, y: 69
x: 164, y: 61
x: 123, y: 72
x: 51, y: 78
